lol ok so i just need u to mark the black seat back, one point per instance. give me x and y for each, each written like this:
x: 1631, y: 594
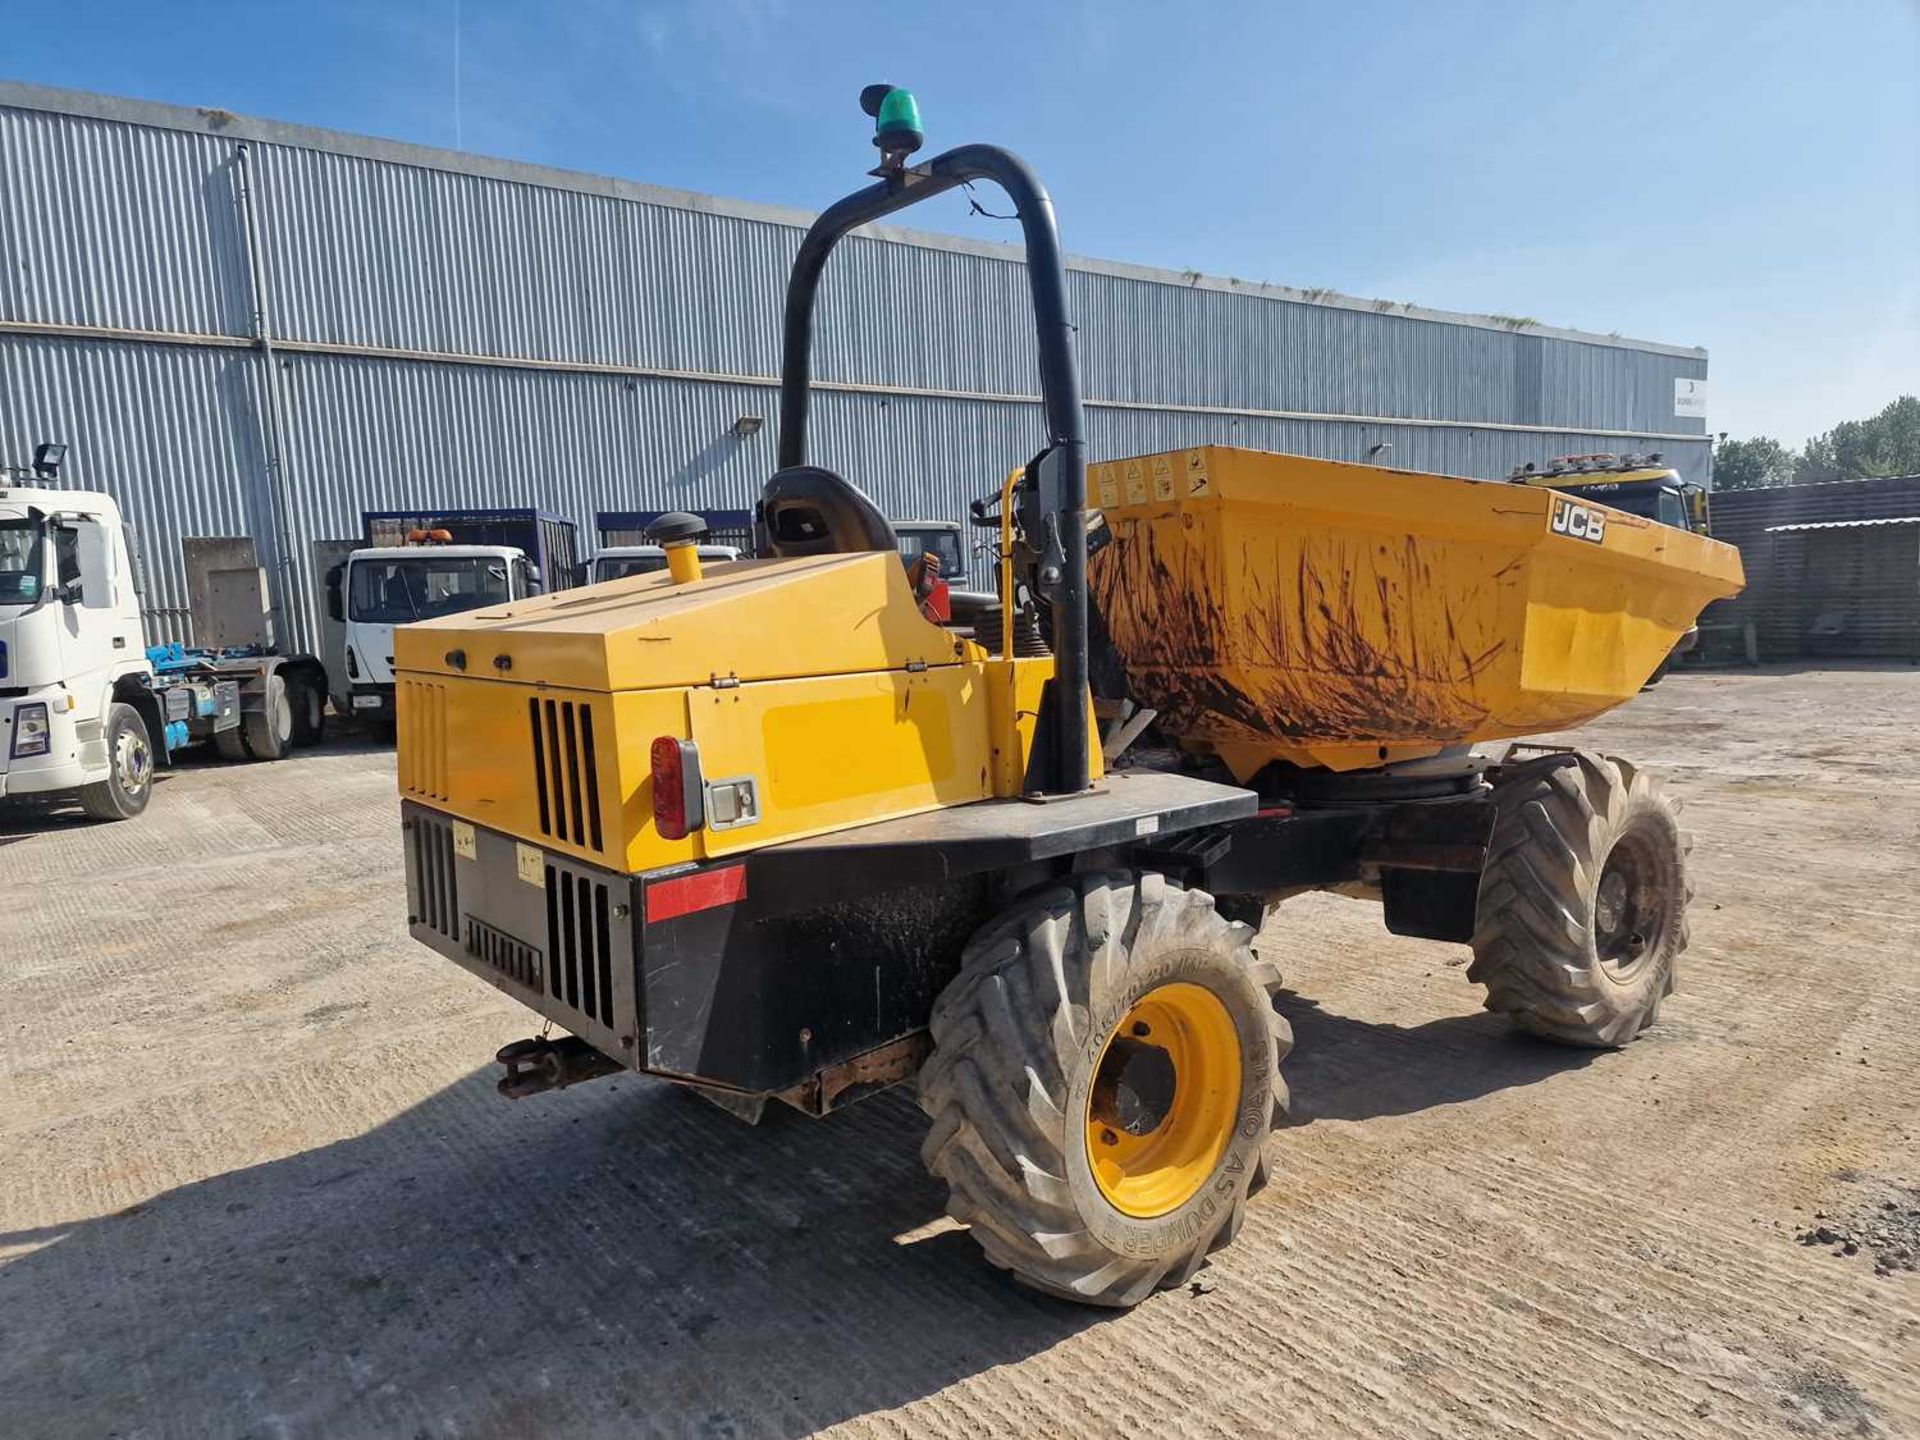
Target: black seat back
x: 809, y: 510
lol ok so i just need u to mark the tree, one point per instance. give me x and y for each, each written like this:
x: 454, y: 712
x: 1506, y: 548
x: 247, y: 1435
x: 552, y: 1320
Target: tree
x: 1886, y: 444
x: 1752, y: 464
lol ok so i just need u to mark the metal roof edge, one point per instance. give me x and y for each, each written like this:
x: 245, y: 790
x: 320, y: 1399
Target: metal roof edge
x: 225, y: 124
x: 1800, y: 525
x: 1801, y: 487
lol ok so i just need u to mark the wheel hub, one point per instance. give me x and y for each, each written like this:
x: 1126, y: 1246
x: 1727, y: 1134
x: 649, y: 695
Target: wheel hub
x: 1161, y: 1110
x: 132, y: 759
x: 1134, y: 1088
x: 1626, y: 910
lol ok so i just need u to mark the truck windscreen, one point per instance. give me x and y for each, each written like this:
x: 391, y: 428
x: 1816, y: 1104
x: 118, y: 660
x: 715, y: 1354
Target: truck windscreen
x: 944, y: 544
x: 618, y: 567
x: 424, y: 586
x: 1635, y: 500
x: 20, y: 562
x: 1653, y: 502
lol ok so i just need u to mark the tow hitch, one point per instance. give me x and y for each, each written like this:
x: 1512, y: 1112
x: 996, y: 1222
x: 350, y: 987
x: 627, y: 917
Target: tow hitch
x: 541, y: 1064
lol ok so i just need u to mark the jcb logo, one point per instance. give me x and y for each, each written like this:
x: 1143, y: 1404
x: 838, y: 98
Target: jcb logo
x: 1580, y: 521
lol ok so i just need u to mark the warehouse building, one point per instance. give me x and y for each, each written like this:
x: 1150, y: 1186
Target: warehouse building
x: 242, y: 327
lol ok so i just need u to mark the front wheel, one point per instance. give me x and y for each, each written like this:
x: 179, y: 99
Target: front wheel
x: 129, y: 783
x: 1583, y: 902
x: 1104, y: 1079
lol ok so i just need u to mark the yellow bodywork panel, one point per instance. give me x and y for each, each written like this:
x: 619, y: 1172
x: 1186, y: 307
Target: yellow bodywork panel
x: 744, y: 620
x: 845, y: 750
x: 816, y: 679
x: 1274, y: 607
x: 540, y: 762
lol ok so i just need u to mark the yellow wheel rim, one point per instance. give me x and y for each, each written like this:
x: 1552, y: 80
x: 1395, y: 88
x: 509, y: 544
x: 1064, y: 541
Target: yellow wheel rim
x: 1161, y: 1110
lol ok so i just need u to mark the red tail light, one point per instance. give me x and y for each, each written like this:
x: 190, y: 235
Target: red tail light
x: 677, y: 811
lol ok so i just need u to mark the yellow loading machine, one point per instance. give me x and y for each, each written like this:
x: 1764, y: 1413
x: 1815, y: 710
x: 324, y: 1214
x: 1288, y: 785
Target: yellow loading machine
x: 802, y: 826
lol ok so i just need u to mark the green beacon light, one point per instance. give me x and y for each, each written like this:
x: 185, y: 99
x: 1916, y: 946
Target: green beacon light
x: 896, y: 119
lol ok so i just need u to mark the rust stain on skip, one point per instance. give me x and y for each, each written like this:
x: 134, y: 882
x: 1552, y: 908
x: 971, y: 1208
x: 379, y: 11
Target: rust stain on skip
x: 1323, y: 640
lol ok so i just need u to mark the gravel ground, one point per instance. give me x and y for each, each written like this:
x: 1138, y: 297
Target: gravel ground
x: 257, y: 1182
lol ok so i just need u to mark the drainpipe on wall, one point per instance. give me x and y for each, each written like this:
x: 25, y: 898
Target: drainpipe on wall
x: 288, y: 627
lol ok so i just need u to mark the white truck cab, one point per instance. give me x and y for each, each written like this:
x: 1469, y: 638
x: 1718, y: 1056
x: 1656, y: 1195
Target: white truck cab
x: 387, y: 585
x: 616, y: 562
x: 69, y: 637
x: 86, y: 706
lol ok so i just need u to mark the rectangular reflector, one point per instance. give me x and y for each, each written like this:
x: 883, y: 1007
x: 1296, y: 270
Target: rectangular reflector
x: 702, y: 890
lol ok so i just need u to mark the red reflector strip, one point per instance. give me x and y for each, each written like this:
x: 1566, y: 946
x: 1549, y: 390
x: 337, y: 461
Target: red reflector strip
x: 702, y: 890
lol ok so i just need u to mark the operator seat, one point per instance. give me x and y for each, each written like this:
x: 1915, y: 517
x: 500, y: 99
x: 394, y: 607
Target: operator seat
x: 809, y: 510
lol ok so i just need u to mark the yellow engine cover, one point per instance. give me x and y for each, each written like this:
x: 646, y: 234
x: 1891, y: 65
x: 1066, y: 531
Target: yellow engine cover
x: 818, y: 680
x: 1274, y: 607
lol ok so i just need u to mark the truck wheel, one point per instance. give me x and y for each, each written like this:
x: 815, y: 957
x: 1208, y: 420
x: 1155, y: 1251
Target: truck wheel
x: 231, y: 744
x: 1583, y: 902
x: 1104, y: 1078
x: 269, y: 730
x: 309, y: 705
x: 129, y: 783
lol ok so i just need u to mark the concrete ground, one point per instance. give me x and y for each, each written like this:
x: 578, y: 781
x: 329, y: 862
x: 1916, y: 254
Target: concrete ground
x: 254, y: 1179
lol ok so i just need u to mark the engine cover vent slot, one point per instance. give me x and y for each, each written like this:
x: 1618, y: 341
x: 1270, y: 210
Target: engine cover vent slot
x: 566, y: 771
x: 579, y: 944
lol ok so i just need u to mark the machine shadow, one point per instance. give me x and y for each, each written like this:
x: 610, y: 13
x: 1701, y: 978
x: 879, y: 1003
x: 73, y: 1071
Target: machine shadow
x: 1347, y: 1069
x: 622, y: 1256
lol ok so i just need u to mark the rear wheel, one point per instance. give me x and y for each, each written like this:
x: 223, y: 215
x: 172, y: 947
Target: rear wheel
x: 232, y: 743
x: 129, y: 783
x: 308, y: 702
x: 1104, y: 1079
x: 1583, y: 903
x: 269, y: 730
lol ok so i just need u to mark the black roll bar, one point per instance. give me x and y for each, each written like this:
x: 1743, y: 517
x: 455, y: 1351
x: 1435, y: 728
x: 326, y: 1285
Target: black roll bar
x: 1063, y: 473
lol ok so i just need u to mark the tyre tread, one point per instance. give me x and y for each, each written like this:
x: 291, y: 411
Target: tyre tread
x: 997, y: 1093
x: 1532, y: 941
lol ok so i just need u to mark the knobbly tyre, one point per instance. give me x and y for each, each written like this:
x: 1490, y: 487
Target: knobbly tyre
x: 793, y: 831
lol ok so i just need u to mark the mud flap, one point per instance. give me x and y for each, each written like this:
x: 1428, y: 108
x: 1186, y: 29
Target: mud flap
x: 1431, y: 904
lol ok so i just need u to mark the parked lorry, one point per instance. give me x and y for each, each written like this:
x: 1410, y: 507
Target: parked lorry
x: 422, y: 565
x: 942, y: 539
x: 626, y: 550
x: 773, y: 834
x: 550, y: 542
x: 87, y: 706
x: 618, y: 529
x: 616, y: 562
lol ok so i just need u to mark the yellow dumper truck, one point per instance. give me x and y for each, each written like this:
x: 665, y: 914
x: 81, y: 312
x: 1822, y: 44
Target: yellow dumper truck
x: 796, y: 828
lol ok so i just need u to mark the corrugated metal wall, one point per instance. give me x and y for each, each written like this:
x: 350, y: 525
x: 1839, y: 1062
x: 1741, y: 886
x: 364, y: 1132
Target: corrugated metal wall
x: 1837, y: 592
x: 450, y: 330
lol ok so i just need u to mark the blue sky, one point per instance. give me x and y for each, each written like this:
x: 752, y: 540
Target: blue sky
x: 1739, y: 174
